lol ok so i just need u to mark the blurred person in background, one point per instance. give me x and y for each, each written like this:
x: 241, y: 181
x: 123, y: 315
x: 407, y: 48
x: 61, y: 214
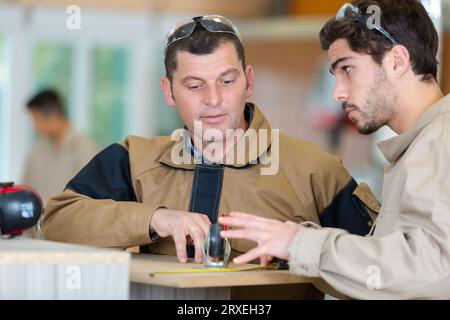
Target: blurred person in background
x: 59, y: 152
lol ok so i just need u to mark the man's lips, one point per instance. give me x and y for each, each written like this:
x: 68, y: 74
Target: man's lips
x: 213, y: 119
x: 348, y: 110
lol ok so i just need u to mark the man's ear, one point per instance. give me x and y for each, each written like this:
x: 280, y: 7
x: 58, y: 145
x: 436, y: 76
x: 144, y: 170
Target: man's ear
x: 400, y: 60
x: 166, y: 87
x: 249, y: 75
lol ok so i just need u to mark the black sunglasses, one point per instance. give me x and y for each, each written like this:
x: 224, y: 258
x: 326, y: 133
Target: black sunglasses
x: 212, y: 23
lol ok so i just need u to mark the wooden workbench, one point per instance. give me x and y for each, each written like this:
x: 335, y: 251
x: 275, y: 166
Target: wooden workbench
x: 148, y: 283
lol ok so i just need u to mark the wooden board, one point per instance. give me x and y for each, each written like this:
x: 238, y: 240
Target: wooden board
x: 144, y: 266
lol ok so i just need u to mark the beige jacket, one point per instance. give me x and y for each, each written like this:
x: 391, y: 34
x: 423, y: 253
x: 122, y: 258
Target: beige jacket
x: 408, y: 254
x: 49, y: 168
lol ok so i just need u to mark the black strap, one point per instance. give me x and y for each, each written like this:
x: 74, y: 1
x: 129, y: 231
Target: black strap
x: 206, y: 193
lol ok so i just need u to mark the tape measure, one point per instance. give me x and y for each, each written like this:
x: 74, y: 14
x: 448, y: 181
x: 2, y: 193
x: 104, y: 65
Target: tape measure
x: 271, y: 266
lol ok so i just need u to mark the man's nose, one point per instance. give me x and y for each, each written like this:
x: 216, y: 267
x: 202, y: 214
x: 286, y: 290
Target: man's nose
x: 213, y: 96
x: 340, y: 92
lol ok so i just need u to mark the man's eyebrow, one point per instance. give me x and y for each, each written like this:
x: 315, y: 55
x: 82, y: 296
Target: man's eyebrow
x: 334, y: 65
x: 233, y: 71
x: 230, y: 71
x: 190, y: 78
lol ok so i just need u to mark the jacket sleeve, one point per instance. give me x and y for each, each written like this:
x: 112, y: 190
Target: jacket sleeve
x: 99, y: 206
x: 401, y: 265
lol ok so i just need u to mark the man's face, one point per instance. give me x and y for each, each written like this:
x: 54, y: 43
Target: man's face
x: 210, y: 88
x: 43, y: 124
x: 367, y: 95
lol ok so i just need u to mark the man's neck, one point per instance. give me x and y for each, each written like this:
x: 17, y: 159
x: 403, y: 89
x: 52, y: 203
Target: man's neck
x: 412, y: 101
x: 57, y: 137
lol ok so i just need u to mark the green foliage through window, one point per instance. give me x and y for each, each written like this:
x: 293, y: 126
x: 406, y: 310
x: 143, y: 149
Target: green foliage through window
x: 52, y: 68
x: 108, y: 94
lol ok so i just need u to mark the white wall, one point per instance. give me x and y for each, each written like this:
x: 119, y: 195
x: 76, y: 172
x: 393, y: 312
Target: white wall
x: 142, y: 34
x: 14, y: 122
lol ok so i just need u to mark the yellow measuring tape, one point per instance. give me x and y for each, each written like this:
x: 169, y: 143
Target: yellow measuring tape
x: 271, y: 266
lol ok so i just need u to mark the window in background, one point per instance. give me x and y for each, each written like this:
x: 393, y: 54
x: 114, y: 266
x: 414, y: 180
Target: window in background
x: 52, y: 67
x: 167, y: 119
x: 108, y: 94
x: 3, y: 111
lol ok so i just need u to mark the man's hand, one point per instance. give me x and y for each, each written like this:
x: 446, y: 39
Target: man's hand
x: 184, y: 227
x: 273, y: 237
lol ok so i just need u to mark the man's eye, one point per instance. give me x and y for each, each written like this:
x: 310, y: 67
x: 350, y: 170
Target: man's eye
x: 228, y: 81
x: 347, y: 69
x: 194, y: 87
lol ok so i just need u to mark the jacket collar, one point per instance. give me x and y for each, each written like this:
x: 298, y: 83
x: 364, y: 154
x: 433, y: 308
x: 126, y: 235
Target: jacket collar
x: 394, y: 148
x: 259, y: 132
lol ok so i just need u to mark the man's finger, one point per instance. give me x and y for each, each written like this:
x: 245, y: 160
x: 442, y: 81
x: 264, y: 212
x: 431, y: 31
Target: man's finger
x: 266, y: 259
x: 179, y: 237
x: 248, y: 234
x: 205, y: 218
x: 203, y: 222
x: 239, y: 214
x: 253, y: 254
x: 198, y: 236
x: 243, y: 222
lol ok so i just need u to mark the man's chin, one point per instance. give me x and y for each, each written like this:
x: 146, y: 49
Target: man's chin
x: 216, y: 132
x: 209, y: 130
x: 367, y: 129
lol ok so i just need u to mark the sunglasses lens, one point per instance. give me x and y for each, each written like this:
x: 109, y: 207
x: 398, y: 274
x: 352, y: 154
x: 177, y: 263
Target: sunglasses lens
x: 215, y: 23
x: 348, y: 11
x: 215, y: 26
x: 179, y: 32
x: 342, y: 12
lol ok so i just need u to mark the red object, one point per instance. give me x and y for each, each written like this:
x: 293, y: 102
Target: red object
x: 16, y: 232
x: 225, y: 227
x: 17, y: 189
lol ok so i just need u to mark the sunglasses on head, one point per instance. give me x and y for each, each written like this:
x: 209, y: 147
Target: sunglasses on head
x: 212, y: 23
x: 349, y: 11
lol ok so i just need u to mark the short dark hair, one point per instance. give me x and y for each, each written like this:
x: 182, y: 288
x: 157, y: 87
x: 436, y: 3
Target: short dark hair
x: 47, y: 102
x: 201, y: 42
x: 408, y: 23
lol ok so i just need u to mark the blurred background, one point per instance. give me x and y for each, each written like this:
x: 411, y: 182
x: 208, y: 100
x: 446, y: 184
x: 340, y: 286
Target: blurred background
x: 108, y: 68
